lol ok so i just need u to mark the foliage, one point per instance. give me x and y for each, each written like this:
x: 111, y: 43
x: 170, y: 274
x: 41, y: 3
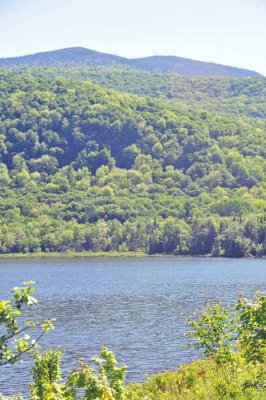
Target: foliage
x: 200, y: 379
x: 214, y: 333
x: 233, y: 342
x: 85, y: 168
x: 102, y: 382
x: 252, y: 327
x: 242, y: 326
x: 46, y: 375
x: 15, y: 339
x: 234, y: 96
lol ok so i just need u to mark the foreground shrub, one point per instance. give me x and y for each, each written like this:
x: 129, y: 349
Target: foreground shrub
x: 202, y: 379
x: 15, y: 339
x: 233, y: 340
x: 101, y: 380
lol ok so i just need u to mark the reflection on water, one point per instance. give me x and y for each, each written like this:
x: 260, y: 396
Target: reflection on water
x: 138, y: 307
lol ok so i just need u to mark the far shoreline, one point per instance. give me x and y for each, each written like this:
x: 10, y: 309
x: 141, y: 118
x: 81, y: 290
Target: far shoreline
x: 73, y: 254
x: 111, y: 254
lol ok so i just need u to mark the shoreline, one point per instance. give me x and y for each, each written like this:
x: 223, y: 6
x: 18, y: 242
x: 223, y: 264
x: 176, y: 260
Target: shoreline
x: 90, y: 254
x: 78, y: 254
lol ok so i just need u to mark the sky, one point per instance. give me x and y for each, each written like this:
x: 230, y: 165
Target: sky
x: 231, y: 32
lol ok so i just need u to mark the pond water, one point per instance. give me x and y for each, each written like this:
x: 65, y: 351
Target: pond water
x: 138, y: 307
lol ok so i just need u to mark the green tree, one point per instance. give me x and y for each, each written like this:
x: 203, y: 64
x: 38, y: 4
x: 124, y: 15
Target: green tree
x: 103, y: 381
x: 15, y: 339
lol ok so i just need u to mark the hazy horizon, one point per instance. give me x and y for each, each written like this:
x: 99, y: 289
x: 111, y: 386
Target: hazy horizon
x: 231, y: 32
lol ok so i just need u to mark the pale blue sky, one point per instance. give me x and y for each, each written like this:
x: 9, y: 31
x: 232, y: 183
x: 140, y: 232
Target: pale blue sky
x: 229, y: 32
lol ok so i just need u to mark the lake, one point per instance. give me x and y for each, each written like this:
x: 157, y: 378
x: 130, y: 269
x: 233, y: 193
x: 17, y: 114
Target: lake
x: 138, y: 307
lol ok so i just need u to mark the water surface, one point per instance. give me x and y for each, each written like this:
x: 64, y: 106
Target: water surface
x: 136, y: 306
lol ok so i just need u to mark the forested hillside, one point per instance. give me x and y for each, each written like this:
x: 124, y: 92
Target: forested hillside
x: 242, y: 96
x: 179, y: 167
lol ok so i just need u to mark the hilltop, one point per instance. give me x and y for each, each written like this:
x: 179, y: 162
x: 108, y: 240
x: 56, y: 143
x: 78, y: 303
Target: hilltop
x: 82, y: 57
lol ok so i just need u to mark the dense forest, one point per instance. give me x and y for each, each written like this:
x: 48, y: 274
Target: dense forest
x: 241, y: 96
x: 102, y: 159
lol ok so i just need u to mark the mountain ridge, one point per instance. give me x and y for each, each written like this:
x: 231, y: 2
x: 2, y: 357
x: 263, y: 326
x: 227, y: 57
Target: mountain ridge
x: 83, y: 57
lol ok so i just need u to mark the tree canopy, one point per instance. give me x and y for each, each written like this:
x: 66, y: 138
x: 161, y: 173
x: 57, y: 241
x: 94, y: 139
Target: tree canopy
x: 86, y: 167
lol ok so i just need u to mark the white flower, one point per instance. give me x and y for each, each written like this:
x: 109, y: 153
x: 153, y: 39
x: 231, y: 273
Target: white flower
x: 32, y: 300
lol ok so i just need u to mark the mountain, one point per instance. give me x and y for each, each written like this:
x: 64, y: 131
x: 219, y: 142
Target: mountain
x: 82, y: 57
x: 70, y: 57
x: 185, y: 66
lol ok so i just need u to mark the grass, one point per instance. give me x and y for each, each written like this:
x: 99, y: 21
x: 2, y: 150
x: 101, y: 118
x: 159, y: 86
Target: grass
x: 84, y: 254
x: 76, y: 254
x: 202, y: 379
